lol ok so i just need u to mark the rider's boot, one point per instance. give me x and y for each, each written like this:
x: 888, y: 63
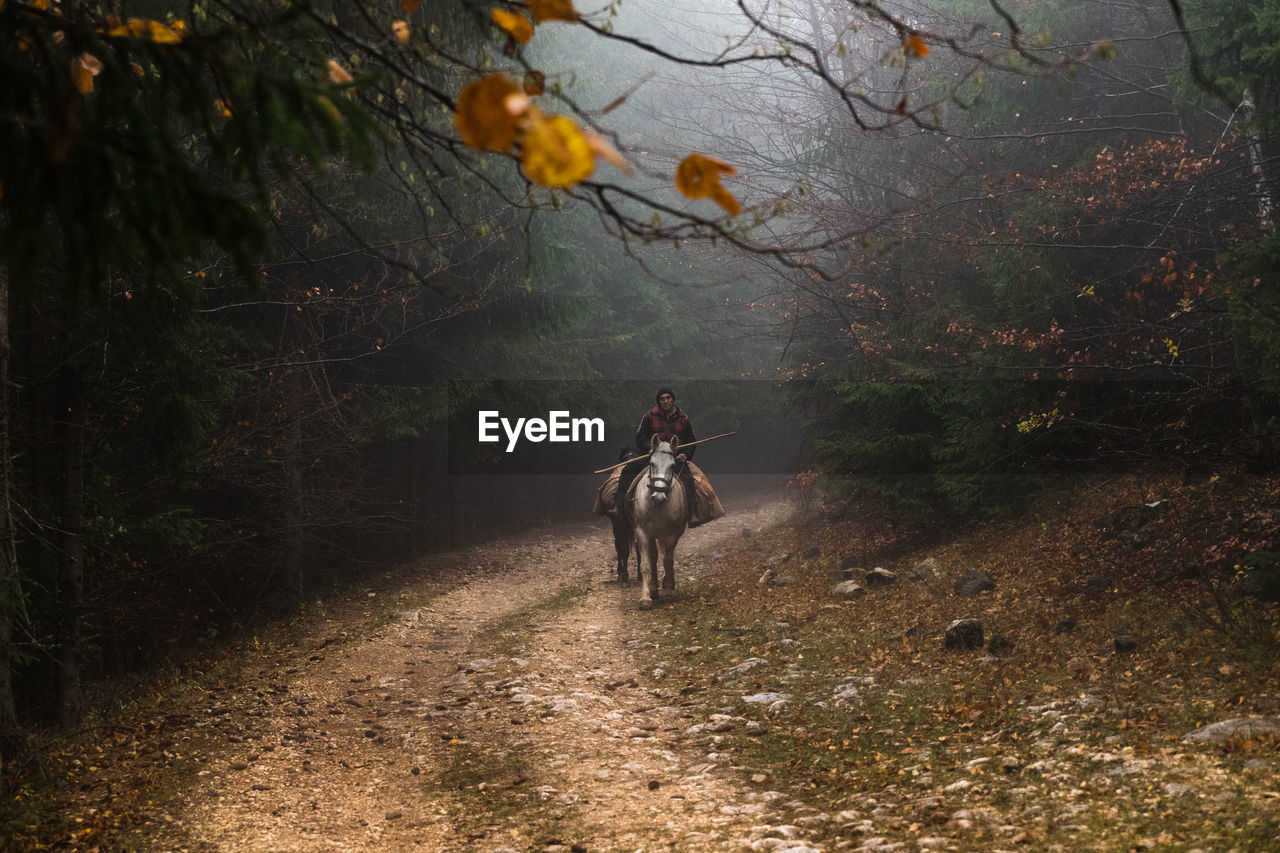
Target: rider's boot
x: 694, y: 520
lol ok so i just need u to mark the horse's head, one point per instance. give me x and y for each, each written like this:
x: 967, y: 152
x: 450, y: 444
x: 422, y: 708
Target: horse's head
x: 662, y: 467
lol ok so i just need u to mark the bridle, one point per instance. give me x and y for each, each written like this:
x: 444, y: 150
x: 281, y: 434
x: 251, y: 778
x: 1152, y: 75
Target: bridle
x: 662, y: 485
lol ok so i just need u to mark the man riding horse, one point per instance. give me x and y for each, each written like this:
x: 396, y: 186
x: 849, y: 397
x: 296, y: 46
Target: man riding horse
x: 665, y: 420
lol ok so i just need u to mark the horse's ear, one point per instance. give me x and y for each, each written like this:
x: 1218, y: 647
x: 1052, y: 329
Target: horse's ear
x: 653, y: 444
x: 675, y: 445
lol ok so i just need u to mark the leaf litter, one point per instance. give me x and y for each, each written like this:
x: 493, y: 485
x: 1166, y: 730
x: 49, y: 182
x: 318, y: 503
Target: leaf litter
x: 526, y: 704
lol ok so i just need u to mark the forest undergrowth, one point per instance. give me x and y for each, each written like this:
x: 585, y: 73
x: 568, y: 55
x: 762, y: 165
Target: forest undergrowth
x: 1111, y: 644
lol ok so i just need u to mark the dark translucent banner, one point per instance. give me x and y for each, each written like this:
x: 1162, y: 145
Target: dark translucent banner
x: 577, y: 427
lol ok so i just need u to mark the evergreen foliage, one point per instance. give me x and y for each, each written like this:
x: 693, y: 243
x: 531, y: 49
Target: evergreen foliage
x: 1255, y: 310
x: 1104, y: 295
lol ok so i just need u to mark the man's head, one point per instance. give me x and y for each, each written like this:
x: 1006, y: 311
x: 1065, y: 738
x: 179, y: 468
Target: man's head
x: 666, y: 399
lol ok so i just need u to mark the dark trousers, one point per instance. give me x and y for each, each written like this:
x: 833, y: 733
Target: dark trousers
x: 632, y: 470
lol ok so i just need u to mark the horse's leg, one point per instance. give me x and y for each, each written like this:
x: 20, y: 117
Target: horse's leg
x: 642, y: 545
x: 651, y: 582
x: 621, y: 547
x: 669, y: 567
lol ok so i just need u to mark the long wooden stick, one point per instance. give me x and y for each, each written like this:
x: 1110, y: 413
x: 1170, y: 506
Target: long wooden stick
x: 647, y: 455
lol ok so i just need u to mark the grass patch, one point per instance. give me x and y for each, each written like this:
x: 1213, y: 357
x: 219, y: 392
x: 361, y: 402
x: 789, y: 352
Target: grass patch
x: 508, y: 635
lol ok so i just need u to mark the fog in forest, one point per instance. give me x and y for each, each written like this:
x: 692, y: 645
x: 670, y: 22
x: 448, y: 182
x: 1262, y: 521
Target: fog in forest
x: 850, y: 156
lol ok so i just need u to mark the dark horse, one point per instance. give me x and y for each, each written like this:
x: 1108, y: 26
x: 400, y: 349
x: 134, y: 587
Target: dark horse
x: 624, y: 527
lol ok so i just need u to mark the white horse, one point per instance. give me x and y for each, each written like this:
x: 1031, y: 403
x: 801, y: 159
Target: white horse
x: 660, y: 514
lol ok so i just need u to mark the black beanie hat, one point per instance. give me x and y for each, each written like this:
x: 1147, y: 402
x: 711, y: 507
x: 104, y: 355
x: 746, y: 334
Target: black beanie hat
x: 662, y: 391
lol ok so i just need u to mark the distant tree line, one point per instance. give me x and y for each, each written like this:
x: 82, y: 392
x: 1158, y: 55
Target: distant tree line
x: 1078, y: 273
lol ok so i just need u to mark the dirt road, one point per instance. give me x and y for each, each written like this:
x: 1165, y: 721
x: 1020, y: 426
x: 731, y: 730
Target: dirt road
x: 504, y: 712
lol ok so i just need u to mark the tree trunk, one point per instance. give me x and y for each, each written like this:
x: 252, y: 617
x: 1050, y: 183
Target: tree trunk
x: 295, y: 505
x: 1260, y: 409
x: 10, y: 589
x: 71, y: 417
x: 1247, y: 109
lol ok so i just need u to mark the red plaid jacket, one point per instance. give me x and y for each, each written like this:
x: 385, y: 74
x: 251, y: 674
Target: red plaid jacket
x: 655, y: 423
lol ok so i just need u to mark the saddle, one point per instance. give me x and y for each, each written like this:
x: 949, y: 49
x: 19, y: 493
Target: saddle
x: 709, y: 507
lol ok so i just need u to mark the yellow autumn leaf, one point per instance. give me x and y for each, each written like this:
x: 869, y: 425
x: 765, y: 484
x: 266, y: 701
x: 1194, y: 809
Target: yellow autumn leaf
x: 223, y: 108
x: 604, y: 149
x: 145, y: 28
x: 554, y: 152
x: 84, y: 68
x: 400, y: 29
x: 331, y: 108
x: 338, y: 74
x: 409, y: 6
x: 516, y: 26
x: 915, y: 45
x: 553, y: 10
x: 485, y: 115
x: 726, y: 200
x: 698, y: 176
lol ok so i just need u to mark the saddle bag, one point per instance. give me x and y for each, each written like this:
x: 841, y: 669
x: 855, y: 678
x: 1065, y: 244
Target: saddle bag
x: 606, y: 492
x: 709, y: 506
